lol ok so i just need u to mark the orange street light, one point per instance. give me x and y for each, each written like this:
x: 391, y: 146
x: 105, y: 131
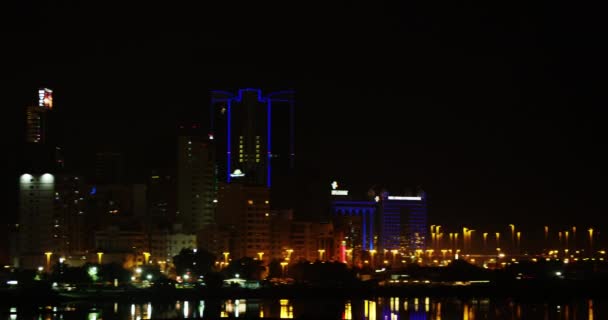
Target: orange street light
x: 321, y: 252
x: 48, y: 255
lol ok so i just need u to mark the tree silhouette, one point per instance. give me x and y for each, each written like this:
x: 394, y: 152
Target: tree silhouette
x: 200, y: 262
x: 246, y: 268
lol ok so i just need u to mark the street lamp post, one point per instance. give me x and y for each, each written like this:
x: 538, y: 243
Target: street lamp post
x: 574, y: 237
x: 512, y: 235
x: 289, y: 252
x: 283, y: 265
x: 438, y: 236
x: 519, y: 241
x: 485, y: 242
x: 225, y: 253
x: 321, y: 252
x: 470, y: 236
x: 497, y: 239
x: 48, y: 255
x: 547, y: 237
x: 260, y: 255
x: 590, y: 241
x: 99, y: 256
x: 146, y: 257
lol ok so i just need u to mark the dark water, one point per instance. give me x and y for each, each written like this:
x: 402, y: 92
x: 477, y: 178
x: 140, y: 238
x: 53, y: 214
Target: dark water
x: 417, y: 308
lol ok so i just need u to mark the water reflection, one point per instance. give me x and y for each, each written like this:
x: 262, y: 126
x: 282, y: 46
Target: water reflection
x: 393, y: 308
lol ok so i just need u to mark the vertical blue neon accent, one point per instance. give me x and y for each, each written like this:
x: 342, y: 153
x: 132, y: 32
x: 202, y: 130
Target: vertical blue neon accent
x: 268, y: 125
x: 228, y: 134
x: 292, y: 127
x: 371, y: 230
x: 364, y: 219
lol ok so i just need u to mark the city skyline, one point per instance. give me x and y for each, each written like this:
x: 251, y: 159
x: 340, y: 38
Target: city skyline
x: 499, y: 124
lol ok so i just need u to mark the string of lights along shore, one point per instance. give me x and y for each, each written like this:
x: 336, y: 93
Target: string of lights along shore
x: 231, y: 192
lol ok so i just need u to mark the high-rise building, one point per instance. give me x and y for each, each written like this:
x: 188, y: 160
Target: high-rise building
x: 254, y: 136
x: 161, y: 197
x: 384, y: 222
x: 37, y: 228
x: 196, y: 184
x: 245, y: 212
x: 36, y: 117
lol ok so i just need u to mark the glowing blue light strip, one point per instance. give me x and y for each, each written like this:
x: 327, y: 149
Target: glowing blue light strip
x: 363, y: 218
x: 292, y: 133
x: 371, y: 231
x: 268, y: 125
x: 228, y: 140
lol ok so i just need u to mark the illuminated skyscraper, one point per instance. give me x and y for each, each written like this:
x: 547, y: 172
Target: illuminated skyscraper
x: 196, y: 187
x: 36, y: 117
x: 384, y: 222
x: 36, y: 219
x: 254, y: 136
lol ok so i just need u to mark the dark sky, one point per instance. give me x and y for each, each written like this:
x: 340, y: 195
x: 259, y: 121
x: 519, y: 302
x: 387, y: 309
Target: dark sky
x: 495, y: 109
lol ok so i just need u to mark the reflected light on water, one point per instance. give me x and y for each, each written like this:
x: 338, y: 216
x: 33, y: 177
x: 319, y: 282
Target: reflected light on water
x: 465, y: 312
x: 286, y: 309
x: 148, y: 314
x: 186, y: 309
x: 590, y: 309
x: 348, y: 311
x: 370, y: 309
x: 115, y: 307
x: 438, y: 311
x: 201, y: 308
x: 132, y: 310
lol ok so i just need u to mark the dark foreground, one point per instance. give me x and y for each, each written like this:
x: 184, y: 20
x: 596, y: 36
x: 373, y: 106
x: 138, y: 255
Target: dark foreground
x: 524, y: 289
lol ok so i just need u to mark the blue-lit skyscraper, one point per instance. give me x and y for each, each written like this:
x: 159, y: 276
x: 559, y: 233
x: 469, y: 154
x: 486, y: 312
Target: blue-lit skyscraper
x: 384, y: 222
x: 254, y: 136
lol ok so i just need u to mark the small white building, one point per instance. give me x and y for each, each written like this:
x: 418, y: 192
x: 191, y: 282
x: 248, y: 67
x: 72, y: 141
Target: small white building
x: 165, y: 245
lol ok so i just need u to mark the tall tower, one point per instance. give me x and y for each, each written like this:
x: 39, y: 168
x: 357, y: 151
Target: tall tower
x: 195, y: 180
x: 36, y: 122
x: 254, y: 136
x: 36, y: 218
x: 36, y: 233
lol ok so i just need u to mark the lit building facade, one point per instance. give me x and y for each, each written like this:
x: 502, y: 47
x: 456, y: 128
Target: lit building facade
x: 196, y: 183
x: 244, y: 211
x: 383, y: 223
x: 254, y: 137
x: 36, y: 117
x: 38, y: 224
x: 166, y: 245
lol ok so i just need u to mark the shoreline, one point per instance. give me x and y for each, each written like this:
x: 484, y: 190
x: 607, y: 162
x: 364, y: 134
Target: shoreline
x: 558, y: 290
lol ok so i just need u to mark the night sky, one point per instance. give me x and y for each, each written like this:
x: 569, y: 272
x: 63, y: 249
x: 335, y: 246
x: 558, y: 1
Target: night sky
x: 495, y: 110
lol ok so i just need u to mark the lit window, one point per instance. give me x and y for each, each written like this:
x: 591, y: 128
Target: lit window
x: 250, y: 201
